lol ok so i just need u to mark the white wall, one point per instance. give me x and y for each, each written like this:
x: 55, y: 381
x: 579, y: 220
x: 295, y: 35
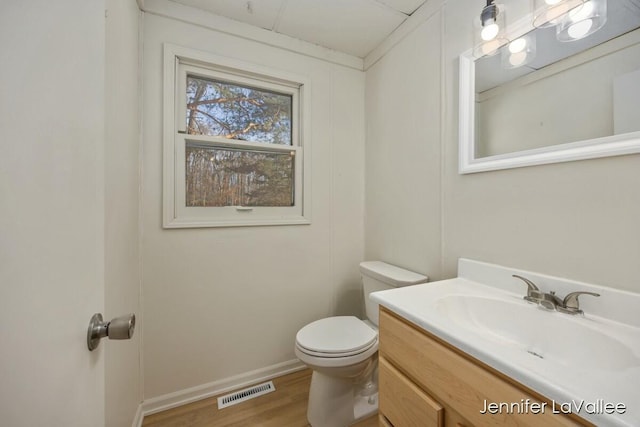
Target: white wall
x: 222, y: 302
x: 403, y: 152
x: 576, y: 220
x: 123, y: 391
x: 626, y: 102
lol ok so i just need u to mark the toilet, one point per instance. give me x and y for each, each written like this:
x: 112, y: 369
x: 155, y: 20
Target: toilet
x: 342, y: 351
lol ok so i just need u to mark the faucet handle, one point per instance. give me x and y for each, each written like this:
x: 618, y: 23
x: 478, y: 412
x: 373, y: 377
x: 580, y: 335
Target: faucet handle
x: 571, y: 304
x: 533, y: 292
x: 530, y: 285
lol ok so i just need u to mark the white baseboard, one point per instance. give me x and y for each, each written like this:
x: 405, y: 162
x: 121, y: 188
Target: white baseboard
x: 137, y: 420
x: 182, y: 397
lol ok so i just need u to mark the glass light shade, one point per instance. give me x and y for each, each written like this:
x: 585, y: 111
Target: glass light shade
x: 582, y: 22
x: 547, y: 13
x: 519, y: 52
x: 489, y: 31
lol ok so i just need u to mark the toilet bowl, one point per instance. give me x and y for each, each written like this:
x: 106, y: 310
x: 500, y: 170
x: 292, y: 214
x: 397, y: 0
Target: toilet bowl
x: 342, y: 351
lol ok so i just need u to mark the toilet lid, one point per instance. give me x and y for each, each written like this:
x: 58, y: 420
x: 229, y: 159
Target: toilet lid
x: 336, y: 335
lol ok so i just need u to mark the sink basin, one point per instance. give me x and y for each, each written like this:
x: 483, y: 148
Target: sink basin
x: 572, y: 341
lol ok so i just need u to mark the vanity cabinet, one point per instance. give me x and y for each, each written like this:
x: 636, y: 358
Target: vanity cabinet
x: 424, y: 381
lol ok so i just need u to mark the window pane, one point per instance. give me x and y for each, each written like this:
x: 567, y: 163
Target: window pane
x: 230, y: 177
x: 232, y: 111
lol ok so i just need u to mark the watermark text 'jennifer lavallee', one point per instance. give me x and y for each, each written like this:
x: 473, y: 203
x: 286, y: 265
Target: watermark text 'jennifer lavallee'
x: 527, y: 406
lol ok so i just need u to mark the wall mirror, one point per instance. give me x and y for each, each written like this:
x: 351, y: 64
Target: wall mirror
x: 558, y: 101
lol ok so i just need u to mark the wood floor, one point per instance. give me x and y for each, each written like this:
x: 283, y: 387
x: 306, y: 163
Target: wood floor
x: 285, y: 407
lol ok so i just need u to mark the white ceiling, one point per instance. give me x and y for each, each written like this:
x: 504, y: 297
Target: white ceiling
x: 355, y: 27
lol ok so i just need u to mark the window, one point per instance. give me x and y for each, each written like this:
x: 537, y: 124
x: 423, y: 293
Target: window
x: 234, y: 152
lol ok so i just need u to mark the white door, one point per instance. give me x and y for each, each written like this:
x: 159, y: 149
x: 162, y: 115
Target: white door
x: 51, y: 211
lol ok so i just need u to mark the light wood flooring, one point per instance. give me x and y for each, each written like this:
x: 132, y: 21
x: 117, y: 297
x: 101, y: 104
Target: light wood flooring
x: 285, y: 407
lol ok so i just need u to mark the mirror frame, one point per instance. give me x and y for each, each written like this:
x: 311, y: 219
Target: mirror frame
x: 615, y: 145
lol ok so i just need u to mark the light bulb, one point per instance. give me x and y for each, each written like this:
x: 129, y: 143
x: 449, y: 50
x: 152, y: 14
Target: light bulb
x: 517, y: 45
x: 580, y: 29
x: 550, y: 12
x: 489, y: 32
x: 583, y: 21
x: 580, y: 13
x: 491, y: 47
x: 517, y: 59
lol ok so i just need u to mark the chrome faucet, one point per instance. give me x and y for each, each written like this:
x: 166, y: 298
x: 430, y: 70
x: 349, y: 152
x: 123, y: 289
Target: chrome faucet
x: 551, y: 301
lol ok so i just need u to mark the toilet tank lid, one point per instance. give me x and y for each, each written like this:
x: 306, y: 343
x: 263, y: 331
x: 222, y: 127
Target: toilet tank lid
x: 391, y: 274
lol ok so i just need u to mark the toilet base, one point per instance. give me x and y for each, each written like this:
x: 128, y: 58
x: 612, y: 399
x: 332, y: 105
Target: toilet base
x: 334, y: 403
x: 365, y: 406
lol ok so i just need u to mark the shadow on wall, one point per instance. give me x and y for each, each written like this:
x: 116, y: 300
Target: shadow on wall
x: 349, y: 302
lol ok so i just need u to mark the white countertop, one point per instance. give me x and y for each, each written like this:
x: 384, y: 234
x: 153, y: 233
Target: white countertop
x: 603, y: 368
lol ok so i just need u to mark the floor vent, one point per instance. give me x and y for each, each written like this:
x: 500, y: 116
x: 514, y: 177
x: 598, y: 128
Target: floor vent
x: 246, y: 394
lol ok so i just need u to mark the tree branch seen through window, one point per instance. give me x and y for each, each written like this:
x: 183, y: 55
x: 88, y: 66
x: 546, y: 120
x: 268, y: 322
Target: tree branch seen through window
x: 217, y: 176
x: 232, y: 111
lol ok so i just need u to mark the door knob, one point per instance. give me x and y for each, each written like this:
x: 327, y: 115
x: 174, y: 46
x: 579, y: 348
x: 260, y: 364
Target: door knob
x: 120, y: 328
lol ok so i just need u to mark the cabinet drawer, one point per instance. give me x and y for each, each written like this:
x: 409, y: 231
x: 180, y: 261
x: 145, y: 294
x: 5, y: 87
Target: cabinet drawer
x: 403, y: 403
x: 463, y: 383
x: 382, y: 421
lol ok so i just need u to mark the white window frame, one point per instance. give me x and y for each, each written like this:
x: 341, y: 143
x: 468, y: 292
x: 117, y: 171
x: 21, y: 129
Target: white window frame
x: 178, y: 62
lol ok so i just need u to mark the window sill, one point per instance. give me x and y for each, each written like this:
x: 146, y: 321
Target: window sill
x: 234, y: 222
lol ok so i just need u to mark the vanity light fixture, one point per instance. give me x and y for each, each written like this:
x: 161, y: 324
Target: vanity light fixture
x: 583, y: 21
x: 547, y: 13
x: 519, y: 52
x: 489, y: 36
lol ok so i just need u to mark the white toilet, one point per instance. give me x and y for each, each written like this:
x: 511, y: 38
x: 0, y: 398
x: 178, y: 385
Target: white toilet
x: 342, y: 351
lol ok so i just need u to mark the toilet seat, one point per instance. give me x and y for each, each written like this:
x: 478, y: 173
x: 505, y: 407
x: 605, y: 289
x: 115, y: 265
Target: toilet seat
x: 335, y: 337
x: 321, y: 362
x: 334, y: 355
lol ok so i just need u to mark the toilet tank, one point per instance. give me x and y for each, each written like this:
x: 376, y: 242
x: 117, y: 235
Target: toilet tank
x: 379, y: 276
